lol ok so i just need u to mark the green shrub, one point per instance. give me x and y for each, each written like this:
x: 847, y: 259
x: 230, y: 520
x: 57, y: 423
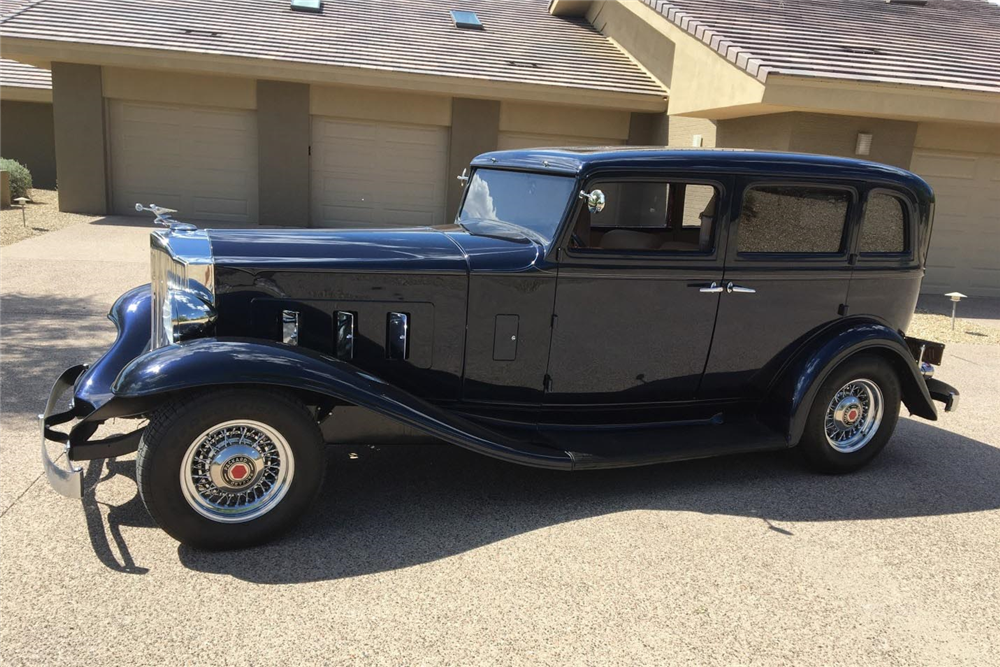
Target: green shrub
x: 20, y: 178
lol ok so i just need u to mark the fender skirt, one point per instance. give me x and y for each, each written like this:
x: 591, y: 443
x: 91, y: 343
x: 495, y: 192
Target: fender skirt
x: 792, y: 395
x: 206, y: 362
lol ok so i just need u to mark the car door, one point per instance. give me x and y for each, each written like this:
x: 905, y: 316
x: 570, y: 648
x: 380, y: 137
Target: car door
x: 787, y: 273
x: 635, y: 304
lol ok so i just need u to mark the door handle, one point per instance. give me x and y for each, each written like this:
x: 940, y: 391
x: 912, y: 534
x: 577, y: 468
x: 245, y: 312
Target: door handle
x: 714, y: 288
x: 736, y: 289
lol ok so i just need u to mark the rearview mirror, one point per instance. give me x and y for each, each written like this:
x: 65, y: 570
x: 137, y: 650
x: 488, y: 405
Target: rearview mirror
x: 595, y: 200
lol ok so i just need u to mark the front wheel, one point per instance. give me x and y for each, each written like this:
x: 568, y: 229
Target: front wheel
x: 230, y: 469
x: 853, y: 415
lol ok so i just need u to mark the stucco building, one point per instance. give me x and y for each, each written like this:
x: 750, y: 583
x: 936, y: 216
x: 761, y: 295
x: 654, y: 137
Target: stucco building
x: 365, y: 111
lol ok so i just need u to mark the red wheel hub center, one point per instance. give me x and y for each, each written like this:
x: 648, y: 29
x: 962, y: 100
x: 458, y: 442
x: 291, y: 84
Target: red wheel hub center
x: 852, y: 415
x: 239, y: 471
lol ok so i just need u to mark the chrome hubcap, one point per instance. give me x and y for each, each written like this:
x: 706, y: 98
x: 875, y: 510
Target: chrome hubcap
x: 854, y: 415
x: 236, y: 471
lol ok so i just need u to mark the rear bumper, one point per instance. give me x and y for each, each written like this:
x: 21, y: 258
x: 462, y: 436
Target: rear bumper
x: 943, y: 392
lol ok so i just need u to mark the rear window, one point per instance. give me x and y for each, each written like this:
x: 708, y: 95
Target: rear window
x: 792, y: 219
x: 884, y: 227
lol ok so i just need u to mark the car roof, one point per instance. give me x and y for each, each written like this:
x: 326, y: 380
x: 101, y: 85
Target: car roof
x: 584, y: 160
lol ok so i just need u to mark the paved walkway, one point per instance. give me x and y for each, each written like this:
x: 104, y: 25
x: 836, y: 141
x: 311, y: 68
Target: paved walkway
x: 433, y: 555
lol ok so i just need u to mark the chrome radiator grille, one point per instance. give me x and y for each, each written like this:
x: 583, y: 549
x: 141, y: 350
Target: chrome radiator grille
x: 179, y: 261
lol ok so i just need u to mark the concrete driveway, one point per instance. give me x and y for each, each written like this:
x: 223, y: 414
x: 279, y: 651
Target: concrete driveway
x: 433, y: 555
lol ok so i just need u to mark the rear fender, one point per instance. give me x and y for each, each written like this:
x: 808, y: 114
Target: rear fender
x: 157, y: 376
x: 791, y: 396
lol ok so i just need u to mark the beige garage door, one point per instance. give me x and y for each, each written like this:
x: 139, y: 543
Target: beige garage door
x: 965, y: 243
x: 513, y: 140
x: 202, y: 162
x: 366, y: 174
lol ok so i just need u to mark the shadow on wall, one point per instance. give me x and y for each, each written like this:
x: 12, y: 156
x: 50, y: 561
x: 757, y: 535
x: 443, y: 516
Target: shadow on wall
x: 395, y: 507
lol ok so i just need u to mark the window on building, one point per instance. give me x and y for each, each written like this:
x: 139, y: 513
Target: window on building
x: 884, y: 228
x: 649, y: 216
x: 792, y: 219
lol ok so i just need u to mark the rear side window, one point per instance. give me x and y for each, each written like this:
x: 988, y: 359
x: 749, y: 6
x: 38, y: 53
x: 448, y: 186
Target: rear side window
x: 884, y: 227
x: 792, y: 219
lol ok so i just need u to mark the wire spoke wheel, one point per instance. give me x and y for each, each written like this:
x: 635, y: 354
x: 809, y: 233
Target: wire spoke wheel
x: 854, y: 415
x: 236, y: 471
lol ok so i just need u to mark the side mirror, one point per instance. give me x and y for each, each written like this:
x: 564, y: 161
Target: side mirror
x: 595, y: 200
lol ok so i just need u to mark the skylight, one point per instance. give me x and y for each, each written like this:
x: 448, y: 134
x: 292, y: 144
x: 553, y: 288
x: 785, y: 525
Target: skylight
x: 467, y: 20
x: 314, y: 6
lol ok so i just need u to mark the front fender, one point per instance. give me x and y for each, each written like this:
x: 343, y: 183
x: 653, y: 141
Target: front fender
x: 791, y: 396
x: 131, y: 316
x: 208, y: 362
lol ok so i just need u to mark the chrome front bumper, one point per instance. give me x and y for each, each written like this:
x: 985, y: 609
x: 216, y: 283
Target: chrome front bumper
x: 67, y: 482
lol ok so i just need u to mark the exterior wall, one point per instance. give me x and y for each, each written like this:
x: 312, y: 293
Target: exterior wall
x: 892, y: 140
x: 772, y: 132
x: 568, y: 121
x: 81, y: 165
x: 27, y: 134
x: 682, y: 131
x: 648, y: 129
x: 283, y: 153
x: 475, y: 128
x: 380, y: 105
x: 962, y: 138
x: 179, y: 88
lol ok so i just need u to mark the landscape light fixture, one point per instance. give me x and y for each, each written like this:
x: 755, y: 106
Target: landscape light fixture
x: 22, y: 201
x: 955, y: 298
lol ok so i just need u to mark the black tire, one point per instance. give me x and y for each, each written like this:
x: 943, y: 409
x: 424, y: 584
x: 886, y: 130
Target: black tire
x: 815, y: 447
x: 176, y: 426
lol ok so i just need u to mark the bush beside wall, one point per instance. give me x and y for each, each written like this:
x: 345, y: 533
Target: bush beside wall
x: 20, y: 178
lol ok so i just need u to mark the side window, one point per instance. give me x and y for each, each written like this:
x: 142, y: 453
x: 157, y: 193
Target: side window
x: 649, y: 216
x: 792, y: 219
x: 884, y: 228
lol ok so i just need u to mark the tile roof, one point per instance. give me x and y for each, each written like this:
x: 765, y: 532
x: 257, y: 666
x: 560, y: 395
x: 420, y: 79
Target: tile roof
x: 18, y: 75
x: 521, y: 42
x: 945, y: 44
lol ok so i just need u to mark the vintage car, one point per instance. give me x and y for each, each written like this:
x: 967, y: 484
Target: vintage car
x: 588, y: 308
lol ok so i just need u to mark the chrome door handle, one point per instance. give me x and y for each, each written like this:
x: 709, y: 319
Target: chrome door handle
x: 714, y: 288
x: 736, y: 289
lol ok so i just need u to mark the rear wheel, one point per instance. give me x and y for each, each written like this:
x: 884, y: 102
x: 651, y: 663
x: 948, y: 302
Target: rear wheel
x: 230, y: 469
x: 853, y: 415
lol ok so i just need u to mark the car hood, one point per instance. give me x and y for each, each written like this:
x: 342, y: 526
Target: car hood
x: 447, y: 248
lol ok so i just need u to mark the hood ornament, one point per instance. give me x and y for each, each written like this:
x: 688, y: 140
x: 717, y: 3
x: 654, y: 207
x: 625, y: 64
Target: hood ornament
x: 163, y: 218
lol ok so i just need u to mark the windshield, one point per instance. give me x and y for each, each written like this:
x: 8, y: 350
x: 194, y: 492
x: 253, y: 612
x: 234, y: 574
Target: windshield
x: 532, y: 202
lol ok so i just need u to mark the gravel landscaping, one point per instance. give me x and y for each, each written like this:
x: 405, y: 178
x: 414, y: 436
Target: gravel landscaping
x: 936, y: 327
x: 40, y: 215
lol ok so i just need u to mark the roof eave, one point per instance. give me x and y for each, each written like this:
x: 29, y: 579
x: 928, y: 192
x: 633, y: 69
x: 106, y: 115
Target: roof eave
x: 47, y: 51
x: 9, y: 93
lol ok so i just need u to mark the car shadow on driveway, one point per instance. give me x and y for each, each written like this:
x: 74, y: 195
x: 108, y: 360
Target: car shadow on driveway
x: 392, y: 508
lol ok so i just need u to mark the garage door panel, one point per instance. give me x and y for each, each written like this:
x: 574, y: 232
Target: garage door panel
x: 215, y: 206
x: 202, y: 162
x: 375, y: 174
x: 965, y: 242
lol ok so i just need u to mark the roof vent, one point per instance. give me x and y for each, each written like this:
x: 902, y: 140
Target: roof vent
x: 911, y: 3
x: 314, y: 6
x: 464, y: 19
